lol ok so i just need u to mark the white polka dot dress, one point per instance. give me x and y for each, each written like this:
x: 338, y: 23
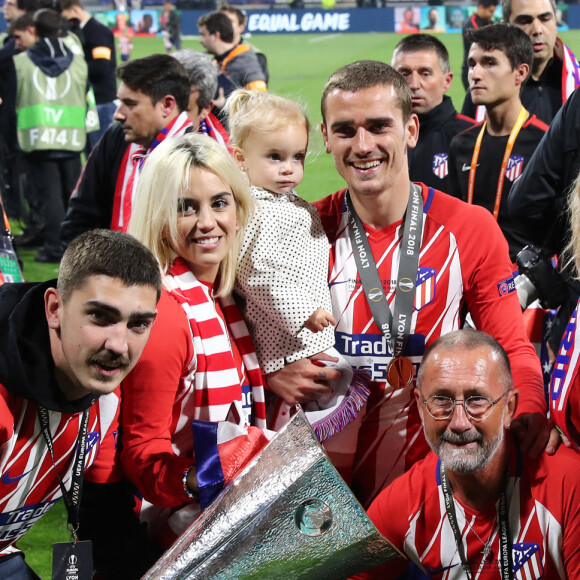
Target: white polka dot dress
x: 283, y: 278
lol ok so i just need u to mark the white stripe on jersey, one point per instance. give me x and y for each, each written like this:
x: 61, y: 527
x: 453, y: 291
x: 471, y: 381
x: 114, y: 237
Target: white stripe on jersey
x: 29, y: 482
x: 538, y: 524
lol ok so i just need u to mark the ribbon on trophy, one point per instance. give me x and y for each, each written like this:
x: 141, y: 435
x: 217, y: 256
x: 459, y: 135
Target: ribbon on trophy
x: 395, y: 326
x: 223, y: 449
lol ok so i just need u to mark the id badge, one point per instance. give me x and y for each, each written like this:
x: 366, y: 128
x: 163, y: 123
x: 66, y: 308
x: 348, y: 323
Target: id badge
x: 72, y: 560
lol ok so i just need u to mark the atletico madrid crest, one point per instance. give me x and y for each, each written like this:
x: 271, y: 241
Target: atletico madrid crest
x: 514, y: 167
x: 426, y: 284
x: 440, y: 167
x: 527, y: 561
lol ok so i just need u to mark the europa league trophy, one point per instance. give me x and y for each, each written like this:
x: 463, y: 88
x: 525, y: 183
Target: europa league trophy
x: 288, y: 515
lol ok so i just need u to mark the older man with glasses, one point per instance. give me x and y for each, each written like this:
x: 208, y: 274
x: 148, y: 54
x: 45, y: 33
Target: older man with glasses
x: 476, y: 507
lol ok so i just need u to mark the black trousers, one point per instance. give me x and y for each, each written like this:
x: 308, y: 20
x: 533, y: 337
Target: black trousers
x: 51, y: 181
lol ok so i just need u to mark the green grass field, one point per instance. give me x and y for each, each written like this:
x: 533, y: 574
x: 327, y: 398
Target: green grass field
x: 299, y: 66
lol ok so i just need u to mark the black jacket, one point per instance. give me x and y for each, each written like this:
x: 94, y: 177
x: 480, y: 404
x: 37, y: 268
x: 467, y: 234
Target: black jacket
x: 91, y: 204
x: 436, y: 129
x: 96, y: 39
x: 8, y: 94
x: 540, y: 193
x: 487, y: 174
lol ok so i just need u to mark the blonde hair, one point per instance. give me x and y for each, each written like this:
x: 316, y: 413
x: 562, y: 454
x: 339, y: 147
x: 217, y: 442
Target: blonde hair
x: 256, y: 111
x: 573, y: 247
x: 165, y: 178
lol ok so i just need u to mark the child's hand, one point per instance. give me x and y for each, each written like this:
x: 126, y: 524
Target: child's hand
x: 319, y: 320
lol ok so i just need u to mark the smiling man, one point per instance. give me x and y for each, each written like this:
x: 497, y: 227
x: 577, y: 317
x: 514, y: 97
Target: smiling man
x: 416, y: 250
x: 424, y: 62
x: 154, y: 99
x: 475, y: 507
x: 486, y: 160
x: 65, y: 348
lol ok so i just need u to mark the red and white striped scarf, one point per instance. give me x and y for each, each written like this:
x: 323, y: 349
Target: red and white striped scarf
x: 570, y: 75
x: 217, y: 380
x: 212, y: 127
x: 131, y: 165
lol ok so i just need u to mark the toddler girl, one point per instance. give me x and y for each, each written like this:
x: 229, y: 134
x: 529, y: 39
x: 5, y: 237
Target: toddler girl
x: 283, y: 263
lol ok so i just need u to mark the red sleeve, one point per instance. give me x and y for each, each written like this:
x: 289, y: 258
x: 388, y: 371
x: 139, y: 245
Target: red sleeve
x: 390, y: 512
x: 571, y: 523
x: 106, y: 467
x: 330, y: 211
x: 147, y: 412
x: 495, y: 308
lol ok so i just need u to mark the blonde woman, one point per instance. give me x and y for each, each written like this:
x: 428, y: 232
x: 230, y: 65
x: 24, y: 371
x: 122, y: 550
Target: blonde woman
x: 191, y: 207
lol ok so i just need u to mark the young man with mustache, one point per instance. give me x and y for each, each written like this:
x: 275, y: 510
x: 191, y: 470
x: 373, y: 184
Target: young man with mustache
x: 65, y: 347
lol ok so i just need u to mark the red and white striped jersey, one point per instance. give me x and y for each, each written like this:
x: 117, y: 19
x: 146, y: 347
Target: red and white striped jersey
x: 29, y: 481
x: 463, y: 261
x: 544, y: 520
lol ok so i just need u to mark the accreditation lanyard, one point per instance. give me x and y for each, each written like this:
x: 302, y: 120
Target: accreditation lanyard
x: 505, y: 540
x: 71, y: 498
x: 508, y: 151
x: 408, y: 264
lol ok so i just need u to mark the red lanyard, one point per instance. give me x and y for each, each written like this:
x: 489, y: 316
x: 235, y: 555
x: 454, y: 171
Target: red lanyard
x: 508, y: 150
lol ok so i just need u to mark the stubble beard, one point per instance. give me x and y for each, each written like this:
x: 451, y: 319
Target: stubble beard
x: 464, y: 460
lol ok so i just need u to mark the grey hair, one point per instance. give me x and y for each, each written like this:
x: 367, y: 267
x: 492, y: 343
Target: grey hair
x: 202, y: 72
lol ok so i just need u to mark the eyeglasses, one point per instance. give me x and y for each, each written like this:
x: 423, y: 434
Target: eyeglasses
x: 13, y: 4
x: 476, y: 407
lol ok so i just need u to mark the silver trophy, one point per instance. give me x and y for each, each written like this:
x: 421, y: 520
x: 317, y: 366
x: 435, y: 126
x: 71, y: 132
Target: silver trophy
x: 288, y: 515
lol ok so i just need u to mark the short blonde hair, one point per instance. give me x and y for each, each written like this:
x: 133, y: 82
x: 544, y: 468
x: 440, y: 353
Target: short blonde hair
x: 165, y: 178
x: 261, y: 112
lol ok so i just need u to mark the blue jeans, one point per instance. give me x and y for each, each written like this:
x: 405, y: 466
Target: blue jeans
x: 15, y: 568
